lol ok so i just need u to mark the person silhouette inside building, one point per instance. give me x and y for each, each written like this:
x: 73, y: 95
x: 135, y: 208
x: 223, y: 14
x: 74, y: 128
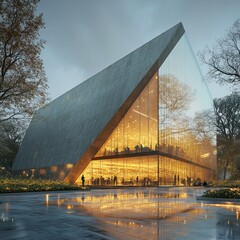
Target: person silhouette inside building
x: 83, y: 180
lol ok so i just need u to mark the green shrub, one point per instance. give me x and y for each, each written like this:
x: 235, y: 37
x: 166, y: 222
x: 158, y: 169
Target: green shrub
x: 226, y: 183
x: 222, y: 193
x: 10, y: 184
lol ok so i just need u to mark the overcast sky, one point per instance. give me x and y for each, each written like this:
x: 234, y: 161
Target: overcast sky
x: 85, y: 36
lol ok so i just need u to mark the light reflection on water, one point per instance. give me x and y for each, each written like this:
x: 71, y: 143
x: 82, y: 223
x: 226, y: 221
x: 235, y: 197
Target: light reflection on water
x: 154, y: 214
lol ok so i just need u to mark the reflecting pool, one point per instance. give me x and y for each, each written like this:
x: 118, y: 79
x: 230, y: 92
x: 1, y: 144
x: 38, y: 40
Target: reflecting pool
x: 157, y: 213
x: 127, y: 213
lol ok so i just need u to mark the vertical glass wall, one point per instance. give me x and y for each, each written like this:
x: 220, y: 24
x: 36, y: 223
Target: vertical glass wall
x: 184, y: 100
x: 139, y: 171
x: 163, y: 139
x: 175, y: 172
x: 137, y: 131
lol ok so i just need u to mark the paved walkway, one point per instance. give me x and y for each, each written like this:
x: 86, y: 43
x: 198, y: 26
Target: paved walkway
x: 136, y: 213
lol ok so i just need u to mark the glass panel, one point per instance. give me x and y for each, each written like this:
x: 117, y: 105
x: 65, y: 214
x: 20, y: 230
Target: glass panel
x: 139, y: 171
x: 183, y: 100
x: 137, y: 131
x: 167, y: 118
x: 173, y: 172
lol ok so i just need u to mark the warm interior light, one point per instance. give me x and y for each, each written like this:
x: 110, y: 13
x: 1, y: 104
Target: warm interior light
x: 54, y: 169
x: 69, y: 166
x: 205, y: 155
x: 42, y: 171
x: 151, y: 126
x: 142, y: 114
x: 47, y: 199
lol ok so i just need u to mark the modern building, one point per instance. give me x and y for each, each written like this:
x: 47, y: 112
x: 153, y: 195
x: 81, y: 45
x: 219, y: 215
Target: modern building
x: 140, y: 121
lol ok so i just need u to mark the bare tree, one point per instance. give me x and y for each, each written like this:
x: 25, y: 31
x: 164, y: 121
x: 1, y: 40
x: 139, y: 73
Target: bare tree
x: 223, y: 58
x: 23, y: 83
x: 174, y: 98
x: 204, y: 126
x: 227, y: 113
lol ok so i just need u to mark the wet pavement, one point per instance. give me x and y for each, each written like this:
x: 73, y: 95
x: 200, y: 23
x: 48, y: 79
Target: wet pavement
x: 131, y: 213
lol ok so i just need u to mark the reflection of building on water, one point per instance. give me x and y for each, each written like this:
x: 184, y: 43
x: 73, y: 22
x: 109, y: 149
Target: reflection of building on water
x: 138, y: 122
x: 153, y: 215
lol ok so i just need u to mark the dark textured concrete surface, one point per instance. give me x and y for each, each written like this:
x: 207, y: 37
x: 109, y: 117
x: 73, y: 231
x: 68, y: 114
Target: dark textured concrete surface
x: 136, y: 213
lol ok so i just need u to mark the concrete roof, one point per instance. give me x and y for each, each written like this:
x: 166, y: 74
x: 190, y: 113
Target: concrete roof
x: 74, y: 126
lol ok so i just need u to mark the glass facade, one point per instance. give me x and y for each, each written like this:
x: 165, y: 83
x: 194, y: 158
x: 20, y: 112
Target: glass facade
x: 163, y: 138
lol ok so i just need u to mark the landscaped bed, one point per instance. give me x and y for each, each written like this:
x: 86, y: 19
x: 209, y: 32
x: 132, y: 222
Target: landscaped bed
x: 10, y: 185
x: 226, y: 183
x: 222, y: 193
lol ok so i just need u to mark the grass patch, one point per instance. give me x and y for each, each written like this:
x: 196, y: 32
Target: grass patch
x: 222, y: 193
x: 13, y: 185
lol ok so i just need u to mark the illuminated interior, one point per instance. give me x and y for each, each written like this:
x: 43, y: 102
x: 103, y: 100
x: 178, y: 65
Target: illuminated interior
x: 163, y: 138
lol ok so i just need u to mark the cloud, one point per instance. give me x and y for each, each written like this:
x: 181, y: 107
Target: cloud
x: 90, y: 35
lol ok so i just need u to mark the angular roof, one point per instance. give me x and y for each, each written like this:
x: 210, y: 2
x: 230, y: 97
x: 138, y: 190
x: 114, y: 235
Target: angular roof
x: 74, y: 126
